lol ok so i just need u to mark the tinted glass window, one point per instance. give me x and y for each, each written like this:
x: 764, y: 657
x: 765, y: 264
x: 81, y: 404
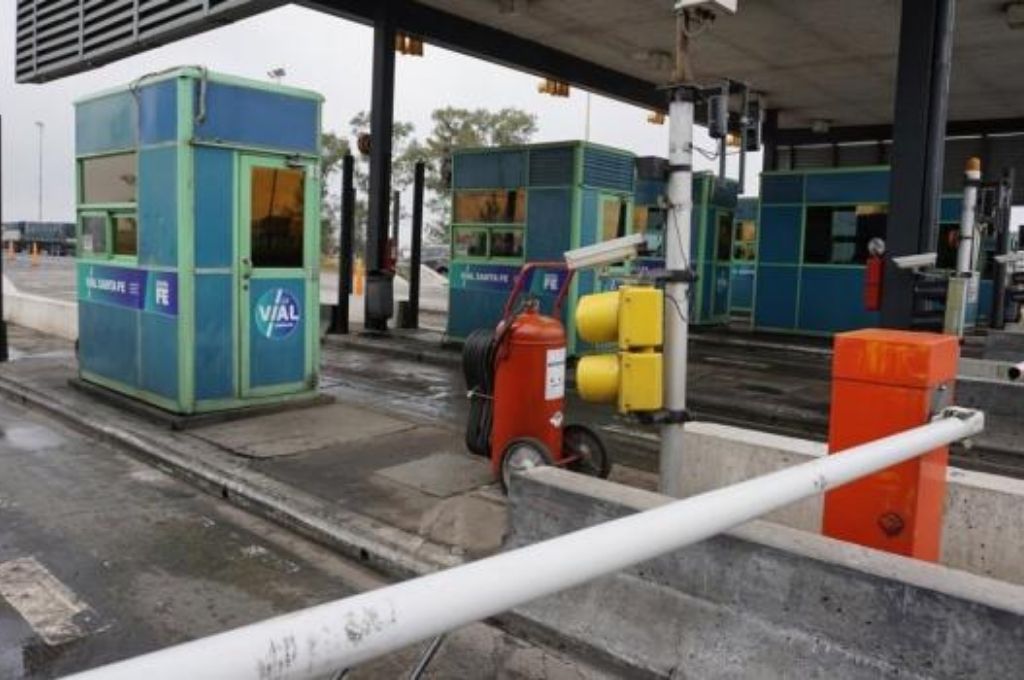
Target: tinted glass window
x: 724, y: 246
x: 840, y: 235
x: 109, y: 179
x: 613, y: 219
x: 470, y: 243
x: 490, y: 207
x: 507, y: 243
x: 277, y: 217
x: 949, y: 240
x: 126, y: 235
x: 94, y: 234
x: 744, y: 244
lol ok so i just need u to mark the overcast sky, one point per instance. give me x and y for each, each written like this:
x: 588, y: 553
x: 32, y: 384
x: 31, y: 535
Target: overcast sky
x: 318, y: 51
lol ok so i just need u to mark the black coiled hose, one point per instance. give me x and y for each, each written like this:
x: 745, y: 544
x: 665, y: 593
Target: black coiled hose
x: 478, y: 369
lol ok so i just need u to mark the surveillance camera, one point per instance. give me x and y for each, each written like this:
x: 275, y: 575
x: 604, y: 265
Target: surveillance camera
x: 919, y: 261
x: 609, y: 252
x: 728, y: 6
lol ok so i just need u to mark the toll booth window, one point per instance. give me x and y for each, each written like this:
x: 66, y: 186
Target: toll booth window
x: 94, y: 235
x: 840, y: 234
x: 744, y: 243
x: 277, y: 217
x: 109, y: 179
x: 470, y: 242
x: 490, y: 207
x: 507, y: 243
x: 723, y: 247
x: 640, y: 213
x: 613, y: 219
x: 949, y: 240
x: 126, y: 235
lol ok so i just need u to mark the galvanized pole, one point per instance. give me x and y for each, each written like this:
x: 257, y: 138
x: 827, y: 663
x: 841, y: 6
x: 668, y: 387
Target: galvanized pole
x: 679, y: 276
x: 339, y: 324
x: 1005, y: 196
x: 744, y: 131
x: 415, y: 253
x: 3, y: 324
x: 39, y: 194
x: 961, y: 280
x: 396, y: 215
x: 723, y: 148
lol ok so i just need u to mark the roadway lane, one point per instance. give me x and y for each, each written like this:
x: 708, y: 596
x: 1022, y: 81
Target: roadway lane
x: 103, y: 557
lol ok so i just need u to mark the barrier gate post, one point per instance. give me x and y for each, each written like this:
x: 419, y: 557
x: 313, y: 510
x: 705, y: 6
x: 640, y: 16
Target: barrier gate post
x: 883, y: 382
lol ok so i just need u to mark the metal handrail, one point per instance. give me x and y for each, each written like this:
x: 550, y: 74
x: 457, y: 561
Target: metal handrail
x: 339, y: 635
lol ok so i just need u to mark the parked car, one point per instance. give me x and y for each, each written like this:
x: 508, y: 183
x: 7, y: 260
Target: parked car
x: 435, y: 257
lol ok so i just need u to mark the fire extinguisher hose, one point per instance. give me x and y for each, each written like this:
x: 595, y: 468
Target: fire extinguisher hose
x: 478, y: 369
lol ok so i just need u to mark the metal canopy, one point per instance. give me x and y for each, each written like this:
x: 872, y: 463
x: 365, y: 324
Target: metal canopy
x: 831, y: 60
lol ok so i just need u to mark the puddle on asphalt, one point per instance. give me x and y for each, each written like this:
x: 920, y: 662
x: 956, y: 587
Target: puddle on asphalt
x: 29, y: 437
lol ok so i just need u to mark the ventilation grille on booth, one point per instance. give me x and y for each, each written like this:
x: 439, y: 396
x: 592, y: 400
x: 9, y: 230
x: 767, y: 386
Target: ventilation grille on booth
x: 606, y: 170
x: 59, y: 37
x: 552, y: 167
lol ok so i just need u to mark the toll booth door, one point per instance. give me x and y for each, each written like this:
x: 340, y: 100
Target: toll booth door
x: 275, y: 213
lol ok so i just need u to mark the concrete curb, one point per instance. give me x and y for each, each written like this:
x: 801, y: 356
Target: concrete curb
x: 388, y: 549
x: 43, y: 314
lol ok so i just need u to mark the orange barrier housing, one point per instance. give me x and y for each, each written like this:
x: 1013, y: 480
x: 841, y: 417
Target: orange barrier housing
x: 884, y: 382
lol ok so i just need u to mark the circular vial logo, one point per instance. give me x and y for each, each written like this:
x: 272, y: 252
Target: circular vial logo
x: 277, y: 314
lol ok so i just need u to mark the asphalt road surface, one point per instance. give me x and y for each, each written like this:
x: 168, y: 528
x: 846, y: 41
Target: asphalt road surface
x: 103, y: 557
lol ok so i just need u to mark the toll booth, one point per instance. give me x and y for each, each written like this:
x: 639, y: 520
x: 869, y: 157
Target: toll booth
x: 512, y: 205
x: 814, y: 227
x: 743, y: 269
x: 711, y: 240
x: 198, y: 217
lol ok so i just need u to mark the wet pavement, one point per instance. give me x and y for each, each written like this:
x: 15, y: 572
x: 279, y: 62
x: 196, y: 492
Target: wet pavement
x: 103, y: 557
x: 779, y: 391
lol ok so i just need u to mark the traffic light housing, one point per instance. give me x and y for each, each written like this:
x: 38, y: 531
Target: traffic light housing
x: 408, y: 45
x: 631, y: 317
x: 555, y: 88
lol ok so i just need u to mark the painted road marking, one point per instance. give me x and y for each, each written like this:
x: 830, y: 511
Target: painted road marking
x: 43, y: 601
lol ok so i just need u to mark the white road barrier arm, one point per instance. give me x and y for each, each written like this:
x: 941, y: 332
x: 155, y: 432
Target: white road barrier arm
x: 314, y: 642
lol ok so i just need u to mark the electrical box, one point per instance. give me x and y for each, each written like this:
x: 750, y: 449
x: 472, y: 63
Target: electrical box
x: 885, y: 382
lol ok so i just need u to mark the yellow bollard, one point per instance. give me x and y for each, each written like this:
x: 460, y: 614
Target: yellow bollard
x: 35, y: 255
x: 359, y: 274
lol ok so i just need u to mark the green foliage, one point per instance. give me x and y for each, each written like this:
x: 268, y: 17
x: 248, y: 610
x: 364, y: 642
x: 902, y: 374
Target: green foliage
x: 333, y: 149
x: 453, y: 128
x: 457, y: 128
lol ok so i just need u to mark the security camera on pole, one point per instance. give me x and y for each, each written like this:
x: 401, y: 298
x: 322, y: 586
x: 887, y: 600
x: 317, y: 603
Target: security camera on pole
x: 692, y: 16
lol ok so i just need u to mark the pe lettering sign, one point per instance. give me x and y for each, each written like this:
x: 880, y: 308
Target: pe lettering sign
x: 277, y: 314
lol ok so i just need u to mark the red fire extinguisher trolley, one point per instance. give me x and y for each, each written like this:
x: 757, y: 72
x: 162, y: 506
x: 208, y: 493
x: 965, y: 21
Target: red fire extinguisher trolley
x: 516, y: 380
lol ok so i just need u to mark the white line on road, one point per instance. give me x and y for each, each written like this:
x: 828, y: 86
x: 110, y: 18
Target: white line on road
x: 43, y: 601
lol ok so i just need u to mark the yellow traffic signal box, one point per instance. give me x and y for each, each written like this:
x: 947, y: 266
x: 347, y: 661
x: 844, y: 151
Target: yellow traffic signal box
x: 632, y: 317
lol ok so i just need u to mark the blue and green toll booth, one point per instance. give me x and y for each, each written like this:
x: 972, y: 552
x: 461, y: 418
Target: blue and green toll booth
x: 813, y: 231
x: 513, y: 205
x: 198, y: 211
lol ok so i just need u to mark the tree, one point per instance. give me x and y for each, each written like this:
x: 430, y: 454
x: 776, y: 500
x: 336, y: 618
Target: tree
x: 333, y: 149
x: 403, y: 157
x: 457, y: 128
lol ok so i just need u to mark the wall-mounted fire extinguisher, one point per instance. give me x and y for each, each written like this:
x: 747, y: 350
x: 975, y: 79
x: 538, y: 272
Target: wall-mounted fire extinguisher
x: 874, y: 273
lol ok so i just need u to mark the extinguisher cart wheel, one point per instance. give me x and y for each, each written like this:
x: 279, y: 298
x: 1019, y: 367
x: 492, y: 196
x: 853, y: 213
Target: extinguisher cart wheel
x: 587, y: 451
x: 522, y: 454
